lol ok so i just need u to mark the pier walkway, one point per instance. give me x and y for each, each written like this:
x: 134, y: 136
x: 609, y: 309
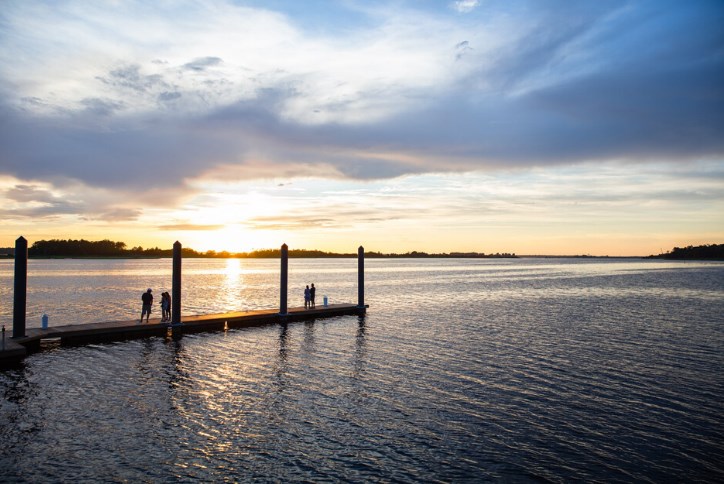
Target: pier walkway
x: 14, y: 350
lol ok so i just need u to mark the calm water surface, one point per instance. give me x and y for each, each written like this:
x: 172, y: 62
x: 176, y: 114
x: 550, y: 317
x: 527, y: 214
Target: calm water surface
x: 462, y: 370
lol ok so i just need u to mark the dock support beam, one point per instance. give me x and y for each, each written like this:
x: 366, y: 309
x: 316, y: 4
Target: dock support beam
x: 284, y: 281
x: 21, y: 287
x: 361, y: 277
x: 176, y: 285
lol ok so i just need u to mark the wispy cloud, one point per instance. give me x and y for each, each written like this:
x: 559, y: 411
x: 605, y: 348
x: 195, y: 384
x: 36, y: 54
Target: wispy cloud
x: 36, y: 202
x: 465, y: 6
x: 189, y: 226
x: 202, y: 63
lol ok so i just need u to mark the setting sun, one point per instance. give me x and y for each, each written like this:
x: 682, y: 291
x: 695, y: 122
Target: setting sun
x: 222, y: 219
x: 232, y: 238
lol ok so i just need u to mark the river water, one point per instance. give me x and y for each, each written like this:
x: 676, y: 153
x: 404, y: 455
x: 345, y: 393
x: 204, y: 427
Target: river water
x: 461, y: 371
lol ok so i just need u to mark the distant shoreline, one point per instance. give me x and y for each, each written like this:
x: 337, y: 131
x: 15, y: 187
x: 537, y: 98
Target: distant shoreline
x: 106, y: 249
x: 291, y: 256
x: 339, y: 256
x: 592, y: 257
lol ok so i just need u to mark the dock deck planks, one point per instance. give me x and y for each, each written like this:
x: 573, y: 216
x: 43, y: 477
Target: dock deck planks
x: 16, y: 349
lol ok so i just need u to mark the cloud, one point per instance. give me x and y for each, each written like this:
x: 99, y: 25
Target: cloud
x: 293, y: 223
x: 339, y: 217
x: 461, y: 49
x: 113, y: 214
x: 36, y: 202
x: 202, y: 63
x: 188, y: 226
x: 130, y: 77
x: 465, y: 6
x: 246, y: 93
x: 101, y: 107
x: 29, y: 193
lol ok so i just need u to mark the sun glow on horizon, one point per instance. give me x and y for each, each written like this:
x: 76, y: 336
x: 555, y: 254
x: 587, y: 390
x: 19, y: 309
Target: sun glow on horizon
x: 222, y: 219
x: 523, y: 212
x: 232, y: 238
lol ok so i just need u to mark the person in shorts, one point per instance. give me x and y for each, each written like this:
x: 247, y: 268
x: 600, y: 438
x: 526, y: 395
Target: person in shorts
x: 147, y: 299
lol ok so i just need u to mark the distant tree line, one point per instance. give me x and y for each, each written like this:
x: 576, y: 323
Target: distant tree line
x: 109, y: 248
x: 73, y: 248
x: 450, y: 255
x: 701, y: 252
x: 100, y: 248
x: 293, y: 253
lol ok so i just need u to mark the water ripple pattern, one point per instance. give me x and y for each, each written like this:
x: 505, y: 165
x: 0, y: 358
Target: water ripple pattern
x: 462, y: 371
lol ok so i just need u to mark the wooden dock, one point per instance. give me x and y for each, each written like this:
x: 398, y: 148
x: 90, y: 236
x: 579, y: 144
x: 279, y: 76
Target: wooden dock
x: 14, y: 350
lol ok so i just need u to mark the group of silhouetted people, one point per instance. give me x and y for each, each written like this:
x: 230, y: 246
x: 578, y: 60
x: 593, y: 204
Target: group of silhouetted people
x: 309, y: 296
x: 147, y: 300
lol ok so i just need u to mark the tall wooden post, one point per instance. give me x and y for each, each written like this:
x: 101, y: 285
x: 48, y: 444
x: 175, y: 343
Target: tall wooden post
x: 361, y: 277
x: 284, y: 281
x: 21, y: 287
x: 176, y: 285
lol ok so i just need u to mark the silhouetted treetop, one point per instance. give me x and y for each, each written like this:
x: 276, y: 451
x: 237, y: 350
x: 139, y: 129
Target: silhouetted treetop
x: 701, y: 252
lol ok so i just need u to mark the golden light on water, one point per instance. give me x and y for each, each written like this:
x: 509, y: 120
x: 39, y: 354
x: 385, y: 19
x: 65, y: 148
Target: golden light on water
x: 233, y: 269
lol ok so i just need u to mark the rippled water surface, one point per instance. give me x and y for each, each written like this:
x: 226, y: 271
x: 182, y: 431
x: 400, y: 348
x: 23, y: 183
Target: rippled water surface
x: 462, y: 370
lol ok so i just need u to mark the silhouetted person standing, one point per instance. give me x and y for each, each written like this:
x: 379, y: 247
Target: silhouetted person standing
x: 165, y: 307
x: 312, y: 291
x: 307, y: 297
x: 147, y: 299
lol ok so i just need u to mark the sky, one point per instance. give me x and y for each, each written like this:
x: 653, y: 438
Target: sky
x: 532, y: 127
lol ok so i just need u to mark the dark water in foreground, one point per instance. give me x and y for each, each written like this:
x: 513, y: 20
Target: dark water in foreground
x: 463, y: 370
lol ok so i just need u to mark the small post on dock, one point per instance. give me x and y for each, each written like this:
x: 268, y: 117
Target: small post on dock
x: 361, y: 277
x: 176, y: 285
x: 21, y: 287
x: 284, y: 281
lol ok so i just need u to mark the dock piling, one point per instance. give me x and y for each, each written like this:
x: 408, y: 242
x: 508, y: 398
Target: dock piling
x: 21, y: 287
x: 361, y: 277
x: 176, y: 285
x: 283, y: 280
